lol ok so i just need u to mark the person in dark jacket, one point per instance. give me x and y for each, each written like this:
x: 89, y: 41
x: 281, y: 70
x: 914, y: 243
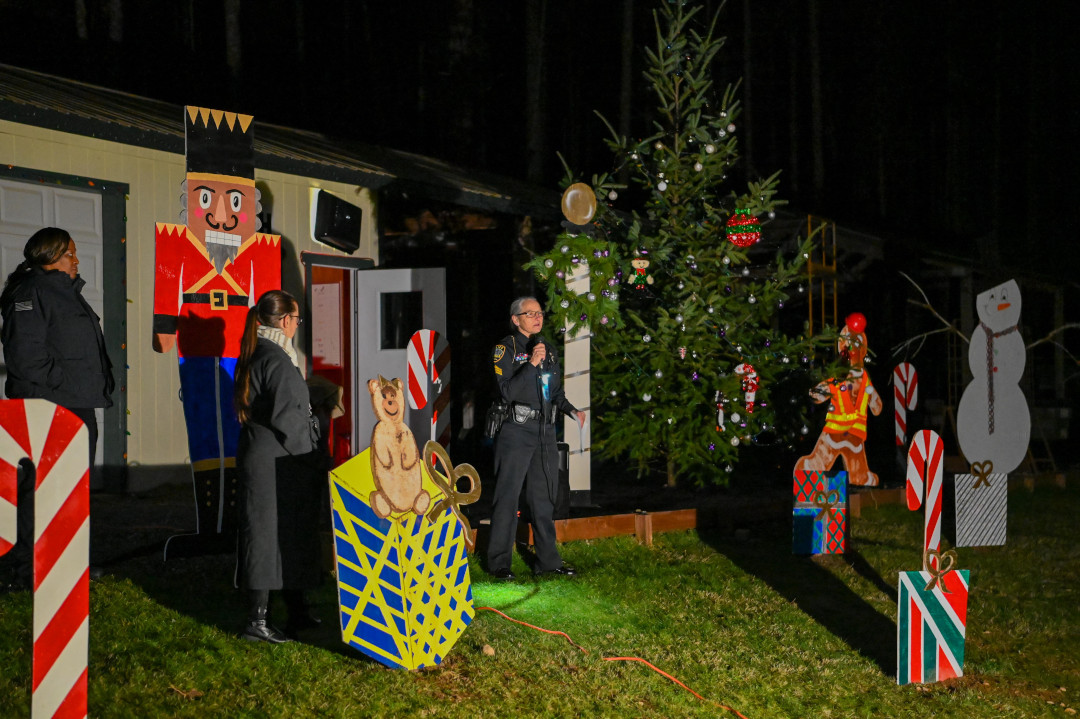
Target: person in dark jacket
x: 54, y: 349
x: 527, y: 374
x: 279, y: 500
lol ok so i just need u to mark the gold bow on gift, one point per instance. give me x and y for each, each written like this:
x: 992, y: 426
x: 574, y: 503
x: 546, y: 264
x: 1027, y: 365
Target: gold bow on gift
x: 827, y: 504
x: 938, y: 572
x: 982, y: 471
x: 448, y: 484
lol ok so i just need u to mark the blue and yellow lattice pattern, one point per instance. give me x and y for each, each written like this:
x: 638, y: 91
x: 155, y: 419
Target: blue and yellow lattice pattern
x: 403, y: 582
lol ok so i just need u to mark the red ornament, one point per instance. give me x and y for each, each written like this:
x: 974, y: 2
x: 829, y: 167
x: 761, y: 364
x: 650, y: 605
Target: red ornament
x: 856, y: 322
x: 743, y: 229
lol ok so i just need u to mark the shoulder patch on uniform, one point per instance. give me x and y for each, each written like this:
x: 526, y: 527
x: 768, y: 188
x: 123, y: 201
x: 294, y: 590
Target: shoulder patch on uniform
x: 25, y: 306
x: 500, y: 350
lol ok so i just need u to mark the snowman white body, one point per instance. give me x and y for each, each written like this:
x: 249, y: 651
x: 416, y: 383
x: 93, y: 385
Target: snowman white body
x: 993, y: 422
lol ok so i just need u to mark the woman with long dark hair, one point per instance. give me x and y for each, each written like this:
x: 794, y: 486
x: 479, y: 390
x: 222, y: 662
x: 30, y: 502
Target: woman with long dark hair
x: 53, y: 348
x: 279, y: 500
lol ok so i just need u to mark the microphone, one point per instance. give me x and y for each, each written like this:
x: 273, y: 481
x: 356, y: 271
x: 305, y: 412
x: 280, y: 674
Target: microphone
x: 538, y: 340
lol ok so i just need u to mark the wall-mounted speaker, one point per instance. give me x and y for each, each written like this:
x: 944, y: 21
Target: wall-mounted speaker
x: 334, y: 221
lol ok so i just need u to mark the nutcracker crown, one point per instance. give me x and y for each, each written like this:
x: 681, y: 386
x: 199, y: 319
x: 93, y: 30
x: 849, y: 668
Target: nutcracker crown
x: 219, y: 143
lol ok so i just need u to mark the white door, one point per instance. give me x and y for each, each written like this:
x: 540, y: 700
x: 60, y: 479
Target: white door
x: 390, y: 306
x: 26, y: 207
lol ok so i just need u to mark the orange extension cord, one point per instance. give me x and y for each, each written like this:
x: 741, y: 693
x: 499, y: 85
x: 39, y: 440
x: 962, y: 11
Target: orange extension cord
x: 614, y: 659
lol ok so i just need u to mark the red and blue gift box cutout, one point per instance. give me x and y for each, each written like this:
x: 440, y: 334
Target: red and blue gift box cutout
x: 820, y: 512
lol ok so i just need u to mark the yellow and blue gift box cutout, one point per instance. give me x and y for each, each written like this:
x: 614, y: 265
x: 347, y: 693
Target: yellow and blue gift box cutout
x: 404, y: 591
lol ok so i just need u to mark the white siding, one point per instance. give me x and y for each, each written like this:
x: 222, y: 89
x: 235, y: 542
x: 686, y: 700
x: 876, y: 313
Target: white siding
x: 156, y: 420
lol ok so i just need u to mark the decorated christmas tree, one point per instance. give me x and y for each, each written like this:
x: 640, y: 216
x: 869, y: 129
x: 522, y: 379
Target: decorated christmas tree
x: 694, y: 357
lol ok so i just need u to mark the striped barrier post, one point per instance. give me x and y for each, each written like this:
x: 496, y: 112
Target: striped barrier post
x: 905, y: 397
x: 428, y: 356
x: 56, y: 442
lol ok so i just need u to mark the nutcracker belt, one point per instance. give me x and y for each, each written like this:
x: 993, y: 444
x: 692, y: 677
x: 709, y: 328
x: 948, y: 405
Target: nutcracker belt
x: 217, y: 299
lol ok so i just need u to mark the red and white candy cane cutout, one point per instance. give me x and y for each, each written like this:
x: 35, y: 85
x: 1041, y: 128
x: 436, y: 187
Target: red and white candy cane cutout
x: 55, y: 440
x: 924, y: 470
x: 428, y: 356
x: 905, y: 397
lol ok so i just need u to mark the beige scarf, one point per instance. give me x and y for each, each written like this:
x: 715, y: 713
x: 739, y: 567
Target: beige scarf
x: 275, y: 335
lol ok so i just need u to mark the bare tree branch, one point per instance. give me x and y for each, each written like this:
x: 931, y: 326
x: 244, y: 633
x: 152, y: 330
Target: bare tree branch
x: 917, y: 338
x: 1049, y: 337
x: 927, y: 305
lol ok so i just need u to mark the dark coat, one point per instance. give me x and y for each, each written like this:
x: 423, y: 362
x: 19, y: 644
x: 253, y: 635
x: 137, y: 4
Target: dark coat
x: 279, y: 495
x: 53, y: 345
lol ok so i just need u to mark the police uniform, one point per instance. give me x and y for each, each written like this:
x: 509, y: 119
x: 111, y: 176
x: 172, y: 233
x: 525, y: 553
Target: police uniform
x: 525, y: 450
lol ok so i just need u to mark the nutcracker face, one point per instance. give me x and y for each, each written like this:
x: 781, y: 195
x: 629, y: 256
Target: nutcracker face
x: 221, y: 213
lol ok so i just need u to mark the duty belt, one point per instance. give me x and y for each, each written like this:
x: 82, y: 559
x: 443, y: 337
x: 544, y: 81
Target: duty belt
x: 217, y: 299
x: 522, y: 413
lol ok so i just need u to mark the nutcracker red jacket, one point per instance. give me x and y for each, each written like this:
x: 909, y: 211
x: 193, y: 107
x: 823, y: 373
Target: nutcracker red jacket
x: 204, y: 308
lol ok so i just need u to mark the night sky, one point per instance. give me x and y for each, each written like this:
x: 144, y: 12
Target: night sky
x: 943, y: 124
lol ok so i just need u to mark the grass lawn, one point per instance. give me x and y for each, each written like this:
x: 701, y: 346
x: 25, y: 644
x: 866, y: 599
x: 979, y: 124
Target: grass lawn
x: 743, y: 623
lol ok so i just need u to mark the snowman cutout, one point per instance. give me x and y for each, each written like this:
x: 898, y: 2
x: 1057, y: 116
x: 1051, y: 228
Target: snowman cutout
x: 993, y: 422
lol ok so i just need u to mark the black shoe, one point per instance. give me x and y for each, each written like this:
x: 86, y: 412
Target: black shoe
x: 259, y: 631
x: 565, y: 570
x: 306, y: 620
x: 504, y: 574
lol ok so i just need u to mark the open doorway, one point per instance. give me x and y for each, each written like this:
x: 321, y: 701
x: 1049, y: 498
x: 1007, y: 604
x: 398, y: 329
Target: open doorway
x: 360, y: 321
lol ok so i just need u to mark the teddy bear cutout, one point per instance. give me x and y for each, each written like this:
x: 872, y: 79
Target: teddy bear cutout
x: 395, y: 460
x: 844, y: 435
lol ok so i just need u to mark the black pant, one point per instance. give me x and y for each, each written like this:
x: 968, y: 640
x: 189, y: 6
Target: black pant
x: 526, y: 454
x: 89, y: 418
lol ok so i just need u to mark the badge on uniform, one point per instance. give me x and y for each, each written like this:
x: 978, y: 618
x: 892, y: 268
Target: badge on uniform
x: 500, y: 350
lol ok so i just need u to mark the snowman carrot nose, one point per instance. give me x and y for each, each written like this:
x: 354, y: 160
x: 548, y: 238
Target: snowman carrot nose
x: 1004, y: 306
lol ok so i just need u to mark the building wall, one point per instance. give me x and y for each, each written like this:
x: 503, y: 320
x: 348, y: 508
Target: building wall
x: 156, y: 421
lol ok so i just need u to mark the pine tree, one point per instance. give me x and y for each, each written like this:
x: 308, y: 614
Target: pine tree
x: 689, y: 343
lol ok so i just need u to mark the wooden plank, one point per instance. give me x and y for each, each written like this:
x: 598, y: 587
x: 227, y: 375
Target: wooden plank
x: 874, y: 498
x: 674, y: 520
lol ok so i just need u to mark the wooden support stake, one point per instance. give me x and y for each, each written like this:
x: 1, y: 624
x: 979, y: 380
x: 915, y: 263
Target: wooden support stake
x: 643, y: 528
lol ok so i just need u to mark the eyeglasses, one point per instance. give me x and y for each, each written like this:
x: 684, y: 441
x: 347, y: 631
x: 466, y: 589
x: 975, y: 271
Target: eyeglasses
x: 296, y: 318
x: 532, y: 314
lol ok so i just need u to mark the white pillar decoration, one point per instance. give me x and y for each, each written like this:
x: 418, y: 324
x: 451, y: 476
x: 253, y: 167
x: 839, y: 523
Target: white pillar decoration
x: 576, y: 385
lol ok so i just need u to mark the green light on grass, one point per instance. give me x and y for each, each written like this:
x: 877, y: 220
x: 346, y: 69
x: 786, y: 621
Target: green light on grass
x: 568, y: 600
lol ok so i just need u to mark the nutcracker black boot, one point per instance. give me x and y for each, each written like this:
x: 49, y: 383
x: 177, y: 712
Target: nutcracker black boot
x: 258, y: 628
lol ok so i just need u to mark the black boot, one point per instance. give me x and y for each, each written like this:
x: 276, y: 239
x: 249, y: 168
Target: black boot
x: 258, y: 628
x: 300, y: 615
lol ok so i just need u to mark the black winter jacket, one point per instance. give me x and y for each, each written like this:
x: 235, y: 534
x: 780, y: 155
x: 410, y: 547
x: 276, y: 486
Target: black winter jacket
x: 53, y: 344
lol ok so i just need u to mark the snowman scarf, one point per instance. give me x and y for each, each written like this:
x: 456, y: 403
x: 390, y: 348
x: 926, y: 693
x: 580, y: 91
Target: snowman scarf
x: 990, y: 337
